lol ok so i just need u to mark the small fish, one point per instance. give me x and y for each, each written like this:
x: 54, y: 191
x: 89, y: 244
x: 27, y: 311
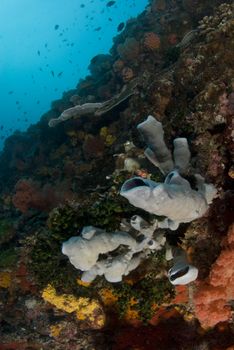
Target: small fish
x: 120, y: 26
x: 10, y: 92
x: 17, y: 102
x: 38, y: 52
x: 52, y: 72
x: 82, y: 5
x: 56, y: 27
x: 110, y: 3
x: 1, y: 127
x: 110, y: 19
x: 59, y: 75
x: 97, y: 29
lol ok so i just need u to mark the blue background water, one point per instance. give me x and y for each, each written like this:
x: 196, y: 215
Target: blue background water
x: 33, y: 51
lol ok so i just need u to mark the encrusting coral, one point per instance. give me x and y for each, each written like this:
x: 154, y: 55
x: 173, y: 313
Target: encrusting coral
x: 85, y: 309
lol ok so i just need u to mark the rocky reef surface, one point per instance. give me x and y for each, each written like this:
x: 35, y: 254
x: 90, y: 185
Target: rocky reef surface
x: 174, y: 62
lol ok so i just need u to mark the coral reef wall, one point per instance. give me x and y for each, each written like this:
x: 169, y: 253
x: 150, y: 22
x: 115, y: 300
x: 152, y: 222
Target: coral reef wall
x: 175, y: 62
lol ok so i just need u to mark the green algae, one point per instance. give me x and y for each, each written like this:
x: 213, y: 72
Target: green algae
x: 6, y: 230
x: 146, y: 293
x: 8, y: 257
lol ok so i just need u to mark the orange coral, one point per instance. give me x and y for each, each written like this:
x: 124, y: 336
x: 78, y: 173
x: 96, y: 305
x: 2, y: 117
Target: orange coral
x: 151, y: 41
x: 212, y: 297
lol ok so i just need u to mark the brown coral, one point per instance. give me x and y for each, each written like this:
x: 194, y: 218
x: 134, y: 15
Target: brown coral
x: 127, y: 74
x: 93, y: 147
x: 27, y: 195
x: 118, y: 66
x: 151, y: 41
x: 129, y: 50
x: 30, y: 195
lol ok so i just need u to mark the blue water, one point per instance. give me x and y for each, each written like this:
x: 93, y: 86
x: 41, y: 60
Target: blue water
x: 46, y: 47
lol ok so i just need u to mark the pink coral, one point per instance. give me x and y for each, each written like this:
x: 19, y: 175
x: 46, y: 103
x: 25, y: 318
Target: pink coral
x: 212, y: 297
x: 211, y: 306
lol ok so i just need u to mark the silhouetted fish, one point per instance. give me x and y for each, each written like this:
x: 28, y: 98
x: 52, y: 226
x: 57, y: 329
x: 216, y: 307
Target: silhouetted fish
x: 97, y: 29
x: 59, y: 75
x: 110, y: 19
x: 120, y: 26
x: 110, y: 3
x: 82, y: 5
x: 10, y: 92
x: 38, y: 52
x: 56, y: 27
x: 52, y: 72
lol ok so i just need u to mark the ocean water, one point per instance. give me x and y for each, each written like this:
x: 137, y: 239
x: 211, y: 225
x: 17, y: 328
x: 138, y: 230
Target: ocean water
x: 45, y: 49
